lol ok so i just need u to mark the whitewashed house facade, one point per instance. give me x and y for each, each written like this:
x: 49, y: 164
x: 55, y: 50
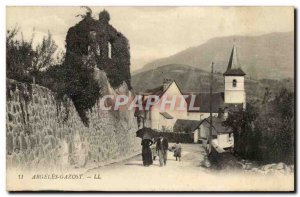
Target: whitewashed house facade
x: 163, y: 118
x: 233, y: 98
x: 222, y: 136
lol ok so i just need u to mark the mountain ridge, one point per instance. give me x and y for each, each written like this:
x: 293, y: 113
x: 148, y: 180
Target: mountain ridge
x: 257, y: 55
x: 191, y: 79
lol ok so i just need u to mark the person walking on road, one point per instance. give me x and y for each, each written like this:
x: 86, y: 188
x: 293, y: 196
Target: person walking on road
x: 153, y: 148
x: 146, y: 152
x: 162, y: 147
x: 177, y: 151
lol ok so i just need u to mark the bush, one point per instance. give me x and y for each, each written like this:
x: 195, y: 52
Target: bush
x: 265, y: 132
x: 23, y: 61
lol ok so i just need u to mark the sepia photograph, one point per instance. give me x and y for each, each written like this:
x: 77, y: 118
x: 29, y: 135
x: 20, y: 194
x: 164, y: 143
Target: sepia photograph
x: 150, y: 99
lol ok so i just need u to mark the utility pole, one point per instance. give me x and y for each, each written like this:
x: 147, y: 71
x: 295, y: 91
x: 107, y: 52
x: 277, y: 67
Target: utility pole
x: 210, y: 106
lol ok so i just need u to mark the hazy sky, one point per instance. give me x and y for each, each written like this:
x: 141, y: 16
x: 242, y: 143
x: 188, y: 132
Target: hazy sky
x: 155, y: 32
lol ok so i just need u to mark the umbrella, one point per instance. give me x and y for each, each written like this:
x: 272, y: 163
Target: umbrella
x: 146, y: 133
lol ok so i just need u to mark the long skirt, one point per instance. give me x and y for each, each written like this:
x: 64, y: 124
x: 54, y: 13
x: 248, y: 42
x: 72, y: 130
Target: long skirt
x: 147, y: 156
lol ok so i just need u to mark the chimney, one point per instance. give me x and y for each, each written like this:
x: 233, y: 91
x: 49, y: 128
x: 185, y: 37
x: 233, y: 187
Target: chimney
x: 166, y: 83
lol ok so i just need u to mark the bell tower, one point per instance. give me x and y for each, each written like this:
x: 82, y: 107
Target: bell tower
x: 234, y: 79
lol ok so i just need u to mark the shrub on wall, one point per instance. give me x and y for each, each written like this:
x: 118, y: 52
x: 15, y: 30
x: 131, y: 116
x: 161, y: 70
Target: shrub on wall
x: 88, y: 47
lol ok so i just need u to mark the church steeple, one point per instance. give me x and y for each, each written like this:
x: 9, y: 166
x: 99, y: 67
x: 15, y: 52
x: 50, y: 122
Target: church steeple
x: 233, y: 68
x: 234, y: 79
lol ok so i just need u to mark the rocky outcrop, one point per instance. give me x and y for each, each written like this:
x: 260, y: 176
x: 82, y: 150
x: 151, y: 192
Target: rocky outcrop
x: 43, y: 132
x: 280, y: 168
x: 275, y: 168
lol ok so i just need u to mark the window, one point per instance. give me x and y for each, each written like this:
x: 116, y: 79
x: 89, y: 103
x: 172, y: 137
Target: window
x: 234, y: 83
x: 109, y: 50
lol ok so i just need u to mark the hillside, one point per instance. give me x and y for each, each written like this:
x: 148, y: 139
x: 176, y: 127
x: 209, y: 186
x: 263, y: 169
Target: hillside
x: 267, y: 56
x: 191, y: 79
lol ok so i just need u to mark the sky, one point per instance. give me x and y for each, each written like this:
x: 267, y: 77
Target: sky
x: 156, y: 32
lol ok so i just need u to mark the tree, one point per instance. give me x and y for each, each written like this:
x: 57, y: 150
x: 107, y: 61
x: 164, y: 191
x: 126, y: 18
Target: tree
x: 284, y: 147
x: 23, y: 61
x: 242, y: 124
x: 19, y: 56
x: 43, y: 57
x: 265, y: 132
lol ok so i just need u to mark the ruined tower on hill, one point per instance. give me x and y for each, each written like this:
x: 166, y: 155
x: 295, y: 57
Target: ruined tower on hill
x: 94, y: 42
x: 94, y: 46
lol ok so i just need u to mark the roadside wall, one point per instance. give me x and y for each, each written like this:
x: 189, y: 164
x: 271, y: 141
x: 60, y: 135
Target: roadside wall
x: 45, y: 133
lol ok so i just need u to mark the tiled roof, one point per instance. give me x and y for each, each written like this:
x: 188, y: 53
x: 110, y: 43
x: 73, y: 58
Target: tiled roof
x: 187, y: 126
x: 155, y: 91
x: 166, y: 115
x: 217, y: 125
x: 202, y: 100
x: 159, y: 91
x: 234, y: 72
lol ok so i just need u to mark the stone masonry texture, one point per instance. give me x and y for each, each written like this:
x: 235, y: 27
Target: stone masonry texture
x: 43, y: 132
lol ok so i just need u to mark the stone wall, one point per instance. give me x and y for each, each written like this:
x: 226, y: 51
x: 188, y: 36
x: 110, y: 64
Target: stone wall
x: 45, y: 133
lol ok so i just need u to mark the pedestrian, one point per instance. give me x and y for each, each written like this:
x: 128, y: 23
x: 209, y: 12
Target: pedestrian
x: 162, y: 147
x: 177, y: 151
x: 146, y: 152
x: 153, y: 149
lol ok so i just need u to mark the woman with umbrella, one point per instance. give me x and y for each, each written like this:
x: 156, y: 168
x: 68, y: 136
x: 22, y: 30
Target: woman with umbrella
x: 146, y: 135
x: 146, y: 152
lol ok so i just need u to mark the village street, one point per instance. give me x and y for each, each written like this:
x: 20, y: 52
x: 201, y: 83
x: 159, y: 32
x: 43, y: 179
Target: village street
x: 186, y: 175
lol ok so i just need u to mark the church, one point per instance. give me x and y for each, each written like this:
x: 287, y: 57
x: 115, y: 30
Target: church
x: 233, y: 97
x: 189, y: 120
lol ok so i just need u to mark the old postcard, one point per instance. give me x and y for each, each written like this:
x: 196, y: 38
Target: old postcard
x: 150, y: 99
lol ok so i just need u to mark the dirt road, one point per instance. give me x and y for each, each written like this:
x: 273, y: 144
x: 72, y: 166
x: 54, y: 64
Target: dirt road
x: 187, y: 175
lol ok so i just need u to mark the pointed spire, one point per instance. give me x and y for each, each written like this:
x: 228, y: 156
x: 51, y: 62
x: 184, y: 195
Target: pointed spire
x: 233, y: 60
x: 233, y: 67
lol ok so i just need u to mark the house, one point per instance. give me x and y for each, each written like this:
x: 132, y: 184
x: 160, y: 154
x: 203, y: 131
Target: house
x: 188, y: 126
x: 222, y: 136
x: 233, y: 97
x: 163, y: 118
x: 202, y: 100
